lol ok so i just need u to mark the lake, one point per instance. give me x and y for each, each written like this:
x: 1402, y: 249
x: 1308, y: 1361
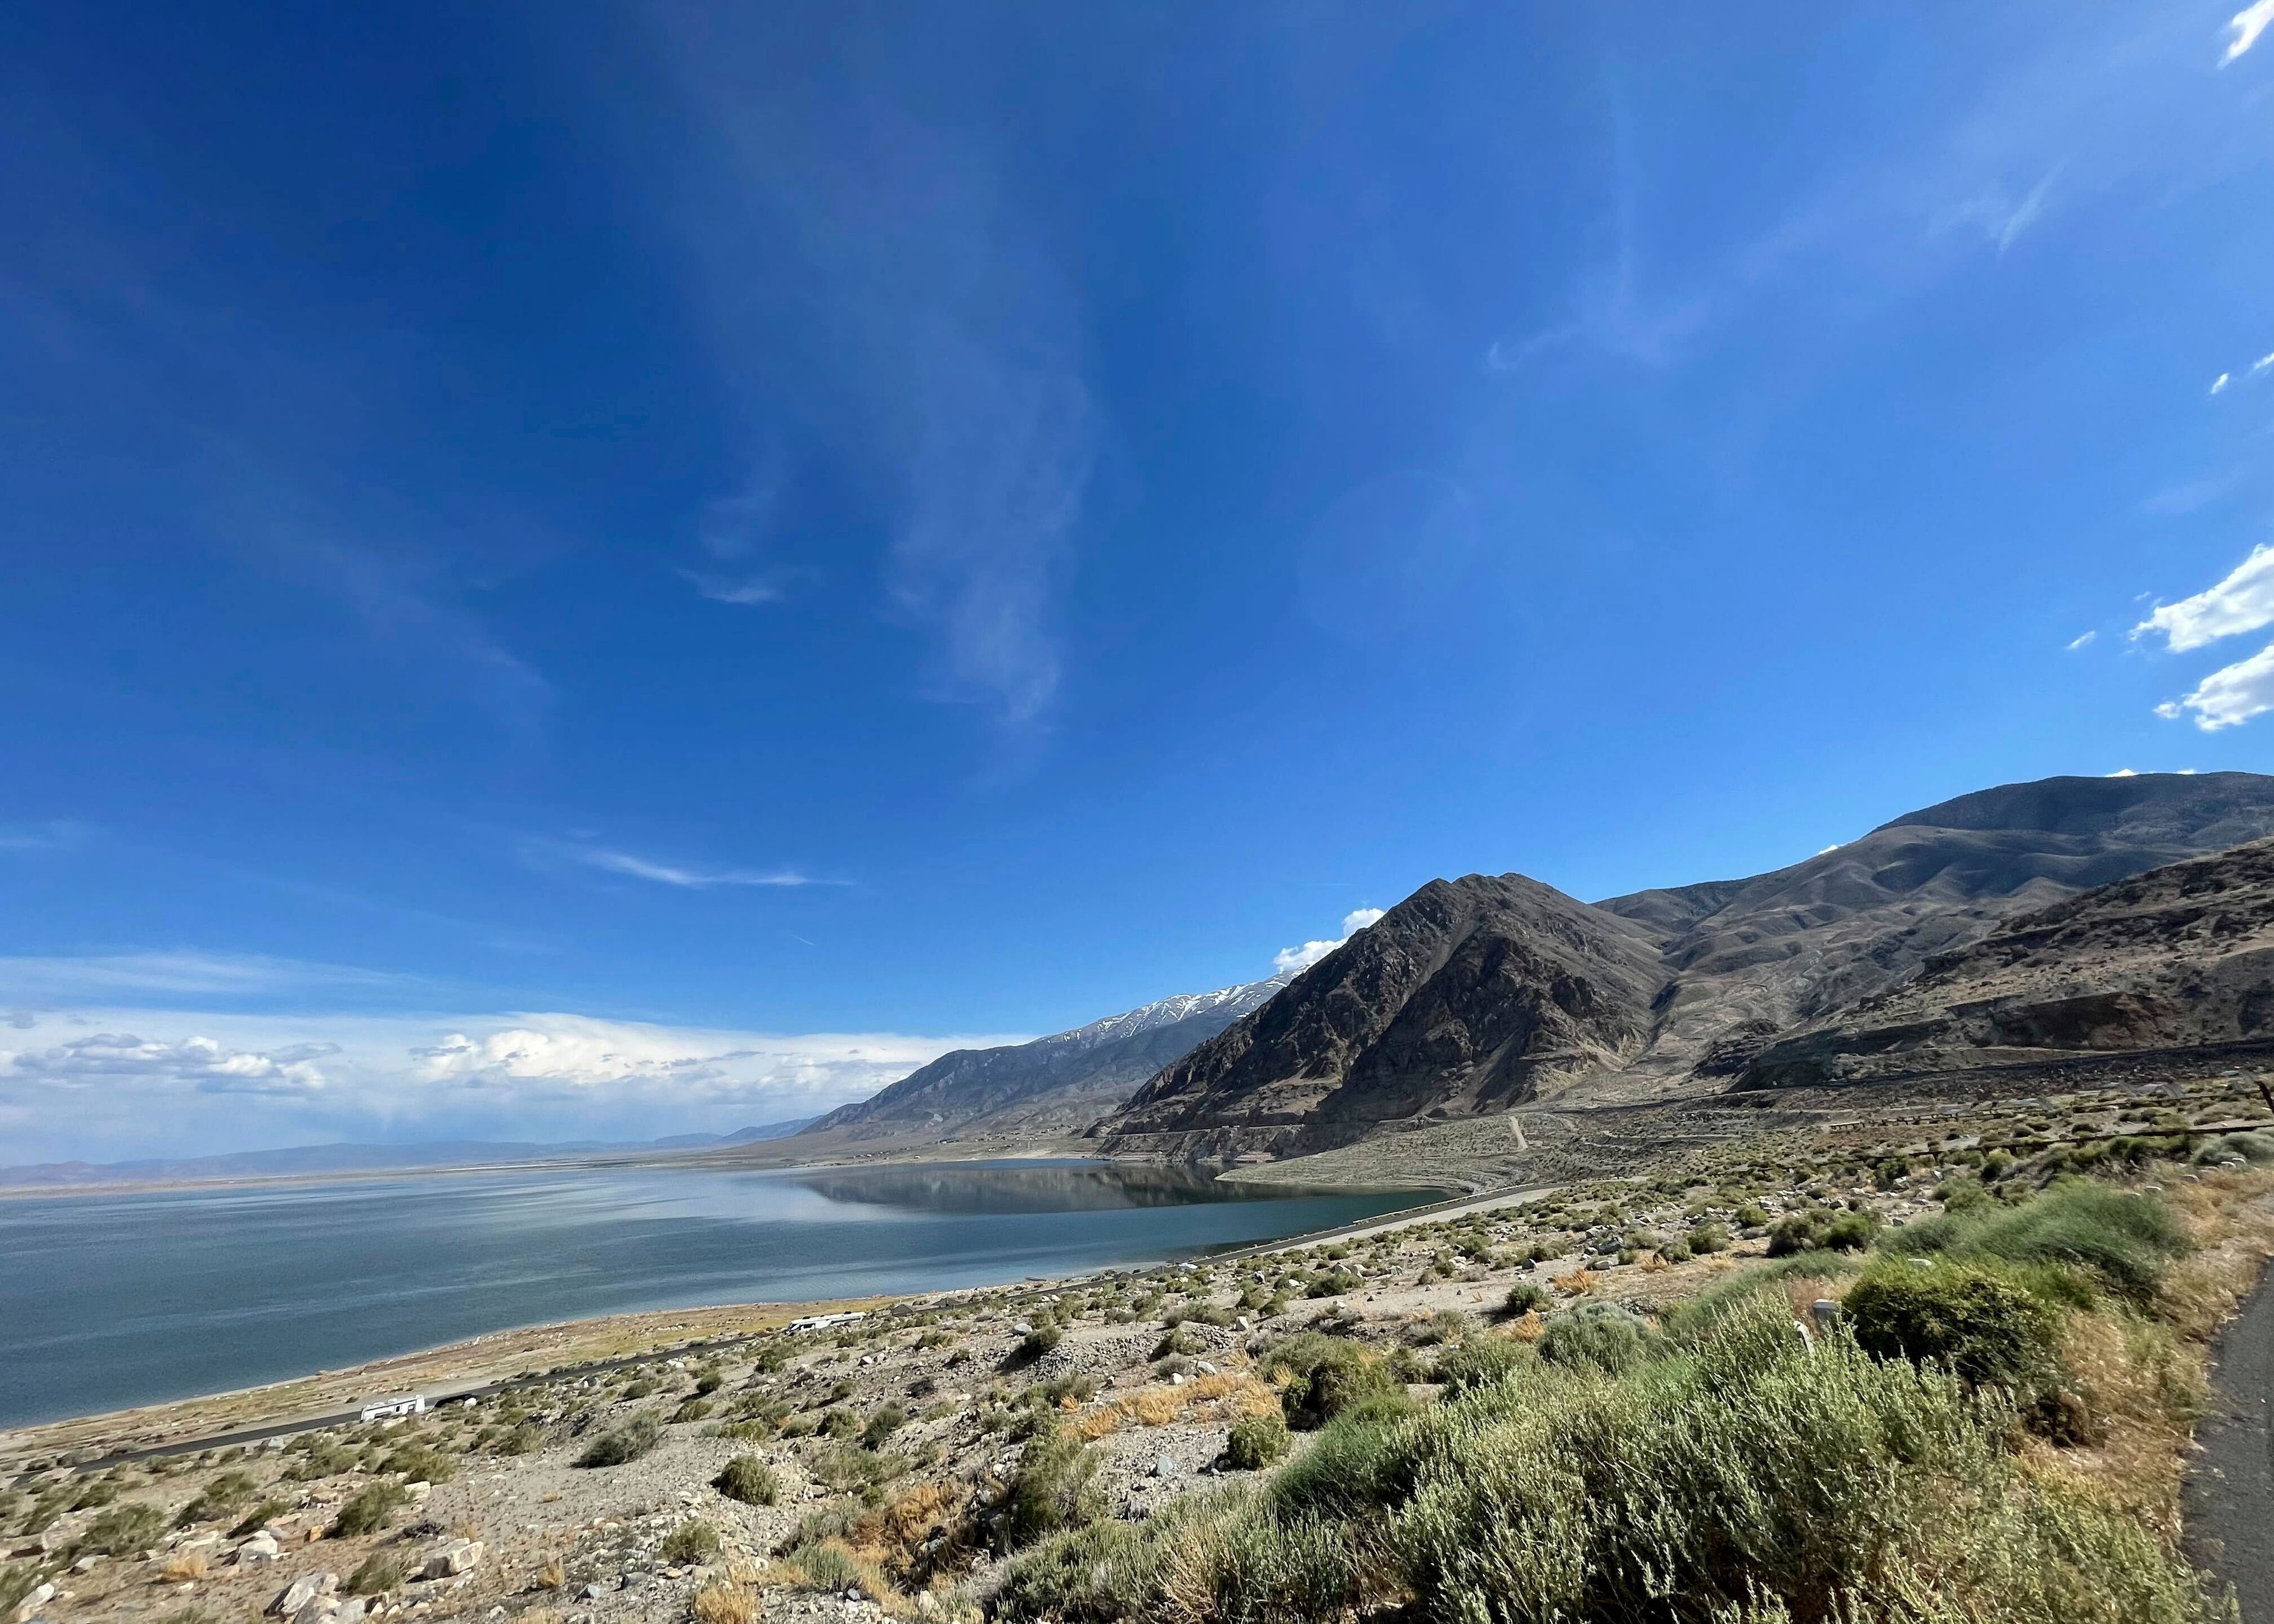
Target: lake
x: 108, y: 1300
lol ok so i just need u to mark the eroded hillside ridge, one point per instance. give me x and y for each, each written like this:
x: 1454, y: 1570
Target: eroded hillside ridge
x: 2181, y: 957
x: 1487, y: 991
x: 1461, y: 999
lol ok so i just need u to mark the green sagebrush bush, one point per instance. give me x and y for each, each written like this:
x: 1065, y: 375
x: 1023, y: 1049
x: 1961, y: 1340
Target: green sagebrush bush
x: 1482, y: 1360
x: 370, y: 1509
x: 634, y: 1439
x: 750, y: 1480
x: 1986, y: 1330
x: 123, y: 1529
x: 1750, y: 1479
x: 1822, y: 1231
x: 1255, y: 1441
x: 1053, y: 1488
x: 1599, y: 1335
x: 1323, y: 1375
x: 2121, y: 1239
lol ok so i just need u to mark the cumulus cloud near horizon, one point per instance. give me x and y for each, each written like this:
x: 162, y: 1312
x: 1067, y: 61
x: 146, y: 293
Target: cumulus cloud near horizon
x: 2229, y: 697
x: 1294, y: 960
x: 111, y: 1084
x: 2243, y: 601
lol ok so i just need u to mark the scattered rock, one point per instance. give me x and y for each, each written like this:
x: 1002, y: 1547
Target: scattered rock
x: 262, y: 1547
x: 301, y: 1591
x: 41, y: 1595
x: 1165, y: 1466
x: 459, y: 1556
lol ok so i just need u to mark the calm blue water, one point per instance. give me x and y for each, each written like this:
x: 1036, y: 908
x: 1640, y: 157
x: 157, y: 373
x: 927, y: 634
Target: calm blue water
x: 112, y: 1300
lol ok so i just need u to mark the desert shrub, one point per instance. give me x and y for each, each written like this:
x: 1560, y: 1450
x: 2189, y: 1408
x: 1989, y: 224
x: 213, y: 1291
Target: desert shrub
x: 709, y: 1382
x: 1052, y: 1489
x: 1039, y: 1341
x: 886, y: 1420
x: 1708, y: 1237
x: 1256, y: 1441
x: 380, y: 1572
x: 419, y: 1462
x: 634, y: 1439
x: 831, y: 1566
x: 257, y: 1515
x: 368, y: 1511
x: 523, y: 1439
x: 1321, y: 1376
x: 1989, y: 1332
x: 1349, y: 1467
x: 18, y: 1580
x: 750, y: 1480
x: 691, y: 1410
x: 724, y: 1602
x: 227, y: 1492
x: 693, y: 1541
x: 1481, y: 1360
x: 1750, y: 1479
x: 1523, y: 1298
x: 2122, y: 1239
x: 2234, y: 1150
x: 1596, y: 1335
x: 1447, y: 1324
x: 123, y: 1529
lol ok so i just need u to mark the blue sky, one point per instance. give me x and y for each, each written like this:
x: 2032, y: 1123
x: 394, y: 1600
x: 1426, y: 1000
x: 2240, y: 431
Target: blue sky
x: 631, y: 568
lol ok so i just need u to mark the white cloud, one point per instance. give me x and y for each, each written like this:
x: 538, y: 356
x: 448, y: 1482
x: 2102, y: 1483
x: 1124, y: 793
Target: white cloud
x: 112, y: 1083
x: 747, y: 591
x: 199, y: 1063
x: 2229, y: 697
x: 1293, y: 961
x: 2125, y: 772
x: 2246, y: 25
x: 669, y: 873
x: 2261, y: 364
x: 55, y: 835
x: 72, y: 979
x: 2243, y: 602
x: 2218, y: 384
x: 2074, y: 643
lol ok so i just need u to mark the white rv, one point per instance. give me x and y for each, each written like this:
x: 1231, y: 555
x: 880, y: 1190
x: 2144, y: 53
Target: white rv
x: 414, y: 1405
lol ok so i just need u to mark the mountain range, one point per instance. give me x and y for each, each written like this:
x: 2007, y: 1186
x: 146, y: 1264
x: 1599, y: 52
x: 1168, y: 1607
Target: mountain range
x: 1480, y: 993
x: 1054, y: 1086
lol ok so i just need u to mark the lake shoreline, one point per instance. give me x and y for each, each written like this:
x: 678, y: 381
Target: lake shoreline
x: 453, y: 1365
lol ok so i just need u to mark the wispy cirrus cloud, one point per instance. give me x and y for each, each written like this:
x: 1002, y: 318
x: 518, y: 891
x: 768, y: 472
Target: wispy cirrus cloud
x: 690, y: 877
x: 939, y: 348
x: 73, y: 978
x: 53, y: 835
x: 2245, y: 26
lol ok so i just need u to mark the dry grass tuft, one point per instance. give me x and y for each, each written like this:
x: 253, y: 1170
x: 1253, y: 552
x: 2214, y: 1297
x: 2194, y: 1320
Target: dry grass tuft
x: 1526, y: 1326
x: 1153, y: 1406
x: 1096, y: 1424
x: 183, y: 1569
x: 719, y: 1603
x: 1577, y: 1282
x: 552, y: 1575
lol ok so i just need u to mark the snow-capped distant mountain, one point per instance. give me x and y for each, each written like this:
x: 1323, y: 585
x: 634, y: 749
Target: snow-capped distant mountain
x: 1055, y: 1084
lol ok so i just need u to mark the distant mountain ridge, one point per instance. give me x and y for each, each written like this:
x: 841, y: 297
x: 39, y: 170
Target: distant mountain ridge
x: 1053, y: 1085
x: 315, y: 1159
x: 1486, y: 991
